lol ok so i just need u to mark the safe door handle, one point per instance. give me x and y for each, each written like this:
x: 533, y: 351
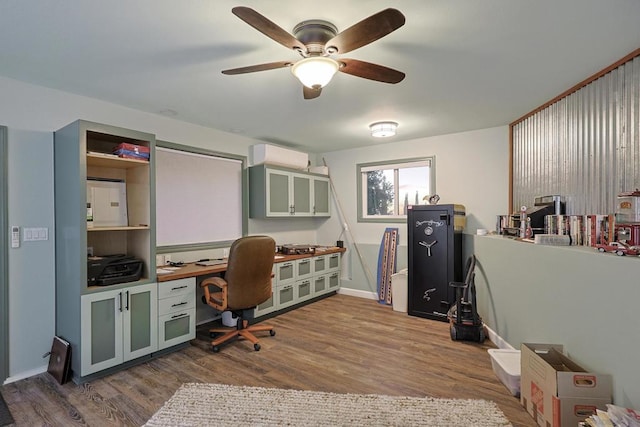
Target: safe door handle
x: 427, y: 245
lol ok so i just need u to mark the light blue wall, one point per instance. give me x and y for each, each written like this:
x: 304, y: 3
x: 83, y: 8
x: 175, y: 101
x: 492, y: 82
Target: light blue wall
x: 575, y: 296
x: 471, y: 169
x: 31, y: 266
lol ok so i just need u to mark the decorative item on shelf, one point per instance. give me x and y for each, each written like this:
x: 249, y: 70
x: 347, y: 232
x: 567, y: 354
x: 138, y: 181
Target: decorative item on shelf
x: 431, y: 199
x: 89, y: 216
x: 523, y: 221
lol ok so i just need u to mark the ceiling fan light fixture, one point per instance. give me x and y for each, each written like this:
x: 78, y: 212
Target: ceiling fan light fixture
x: 316, y: 71
x: 383, y: 129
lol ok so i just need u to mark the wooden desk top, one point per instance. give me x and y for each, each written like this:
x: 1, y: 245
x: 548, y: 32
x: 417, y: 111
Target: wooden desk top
x: 193, y: 270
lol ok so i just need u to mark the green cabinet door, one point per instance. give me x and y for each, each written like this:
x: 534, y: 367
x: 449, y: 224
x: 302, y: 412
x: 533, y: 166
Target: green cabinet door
x: 140, y: 322
x: 321, y: 197
x: 117, y: 326
x: 278, y: 189
x: 101, y: 331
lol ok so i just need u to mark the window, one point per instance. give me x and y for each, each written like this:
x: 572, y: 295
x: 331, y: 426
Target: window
x: 386, y: 189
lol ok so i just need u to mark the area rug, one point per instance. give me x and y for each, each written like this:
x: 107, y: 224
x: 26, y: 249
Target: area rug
x: 224, y: 405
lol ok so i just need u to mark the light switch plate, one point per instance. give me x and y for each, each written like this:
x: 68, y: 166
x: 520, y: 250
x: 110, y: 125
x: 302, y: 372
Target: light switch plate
x: 15, y: 236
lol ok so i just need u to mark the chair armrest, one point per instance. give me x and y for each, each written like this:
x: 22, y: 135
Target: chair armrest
x: 217, y: 297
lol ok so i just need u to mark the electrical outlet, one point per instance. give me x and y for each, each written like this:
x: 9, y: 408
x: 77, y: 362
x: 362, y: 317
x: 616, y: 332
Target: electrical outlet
x: 160, y: 260
x: 225, y: 253
x: 167, y: 259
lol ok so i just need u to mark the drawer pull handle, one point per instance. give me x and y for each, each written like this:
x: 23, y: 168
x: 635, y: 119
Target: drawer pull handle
x: 179, y: 315
x: 179, y: 304
x: 179, y: 287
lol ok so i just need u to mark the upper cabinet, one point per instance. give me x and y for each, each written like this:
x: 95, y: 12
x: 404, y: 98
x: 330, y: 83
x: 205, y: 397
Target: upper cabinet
x: 278, y: 192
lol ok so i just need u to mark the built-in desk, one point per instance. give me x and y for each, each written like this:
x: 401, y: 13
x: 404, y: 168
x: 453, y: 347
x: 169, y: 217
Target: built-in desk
x: 297, y: 278
x: 193, y: 270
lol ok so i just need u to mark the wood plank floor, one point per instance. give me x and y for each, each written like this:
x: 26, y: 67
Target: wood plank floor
x: 340, y: 344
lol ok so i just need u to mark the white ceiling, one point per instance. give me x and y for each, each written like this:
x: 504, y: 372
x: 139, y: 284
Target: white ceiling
x: 470, y: 64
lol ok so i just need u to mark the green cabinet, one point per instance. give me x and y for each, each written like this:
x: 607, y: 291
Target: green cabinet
x: 300, y: 280
x: 86, y: 170
x: 118, y: 326
x: 278, y: 192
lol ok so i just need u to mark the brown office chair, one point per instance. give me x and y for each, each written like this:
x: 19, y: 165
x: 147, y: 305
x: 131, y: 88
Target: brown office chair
x: 247, y: 283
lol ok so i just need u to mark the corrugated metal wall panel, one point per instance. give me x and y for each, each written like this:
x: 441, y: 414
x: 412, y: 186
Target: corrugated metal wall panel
x: 584, y: 147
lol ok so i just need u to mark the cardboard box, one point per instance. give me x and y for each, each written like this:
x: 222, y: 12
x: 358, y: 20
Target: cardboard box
x: 555, y: 390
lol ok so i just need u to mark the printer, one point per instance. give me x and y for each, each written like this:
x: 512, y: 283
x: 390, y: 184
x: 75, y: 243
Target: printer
x: 111, y: 269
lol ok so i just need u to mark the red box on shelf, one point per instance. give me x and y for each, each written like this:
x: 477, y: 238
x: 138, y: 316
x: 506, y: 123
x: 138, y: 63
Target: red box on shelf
x: 132, y: 151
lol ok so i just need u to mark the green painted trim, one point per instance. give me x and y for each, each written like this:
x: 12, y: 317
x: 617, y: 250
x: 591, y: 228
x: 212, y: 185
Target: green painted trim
x: 245, y: 197
x: 395, y: 219
x: 4, y: 258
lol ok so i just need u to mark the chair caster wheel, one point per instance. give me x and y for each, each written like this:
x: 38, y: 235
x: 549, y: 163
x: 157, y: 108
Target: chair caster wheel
x: 256, y: 347
x: 215, y: 349
x: 272, y: 332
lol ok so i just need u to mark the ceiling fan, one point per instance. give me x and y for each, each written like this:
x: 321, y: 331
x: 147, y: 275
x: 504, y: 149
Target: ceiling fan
x: 316, y: 40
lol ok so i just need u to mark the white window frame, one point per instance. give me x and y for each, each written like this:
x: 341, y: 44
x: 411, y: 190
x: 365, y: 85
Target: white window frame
x: 396, y: 165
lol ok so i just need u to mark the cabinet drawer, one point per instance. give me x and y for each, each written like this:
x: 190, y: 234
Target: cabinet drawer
x: 176, y: 303
x: 333, y: 281
x: 334, y: 261
x: 285, y: 271
x: 285, y: 296
x: 177, y: 287
x: 319, y: 285
x: 176, y: 328
x: 266, y: 307
x: 304, y: 268
x: 304, y: 291
x: 320, y: 264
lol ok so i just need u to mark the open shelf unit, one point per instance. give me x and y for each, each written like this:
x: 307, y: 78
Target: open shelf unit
x: 106, y: 325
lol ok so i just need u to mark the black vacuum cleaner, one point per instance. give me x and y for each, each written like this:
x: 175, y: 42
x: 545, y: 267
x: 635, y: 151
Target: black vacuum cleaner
x: 464, y: 320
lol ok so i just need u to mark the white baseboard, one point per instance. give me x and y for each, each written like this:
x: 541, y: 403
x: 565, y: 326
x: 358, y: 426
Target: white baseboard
x: 358, y: 293
x: 25, y: 374
x: 497, y: 339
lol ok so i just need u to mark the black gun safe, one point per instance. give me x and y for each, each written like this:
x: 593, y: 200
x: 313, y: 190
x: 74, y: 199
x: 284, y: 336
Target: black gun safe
x: 435, y: 258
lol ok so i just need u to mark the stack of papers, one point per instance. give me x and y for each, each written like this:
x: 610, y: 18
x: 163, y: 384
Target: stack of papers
x: 615, y: 416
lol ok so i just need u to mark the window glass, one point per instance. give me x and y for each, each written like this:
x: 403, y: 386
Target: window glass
x: 386, y: 189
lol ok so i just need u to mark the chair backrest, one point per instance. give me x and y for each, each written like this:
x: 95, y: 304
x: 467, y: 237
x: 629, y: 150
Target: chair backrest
x: 249, y: 270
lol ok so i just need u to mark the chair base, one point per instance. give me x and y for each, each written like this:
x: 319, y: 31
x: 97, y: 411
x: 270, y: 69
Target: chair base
x: 243, y: 330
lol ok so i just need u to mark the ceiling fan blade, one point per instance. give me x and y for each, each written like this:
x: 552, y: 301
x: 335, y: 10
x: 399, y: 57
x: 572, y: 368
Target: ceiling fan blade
x: 259, y: 67
x: 310, y: 93
x: 268, y: 28
x: 366, y: 31
x: 370, y: 71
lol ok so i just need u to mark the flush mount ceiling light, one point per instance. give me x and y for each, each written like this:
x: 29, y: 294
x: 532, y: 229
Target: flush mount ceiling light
x: 315, y: 72
x: 383, y: 129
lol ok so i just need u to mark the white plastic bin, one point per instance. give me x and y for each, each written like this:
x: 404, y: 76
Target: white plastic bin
x: 506, y: 365
x: 229, y: 320
x: 399, y: 290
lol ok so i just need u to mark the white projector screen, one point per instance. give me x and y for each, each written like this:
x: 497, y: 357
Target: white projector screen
x: 198, y: 198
